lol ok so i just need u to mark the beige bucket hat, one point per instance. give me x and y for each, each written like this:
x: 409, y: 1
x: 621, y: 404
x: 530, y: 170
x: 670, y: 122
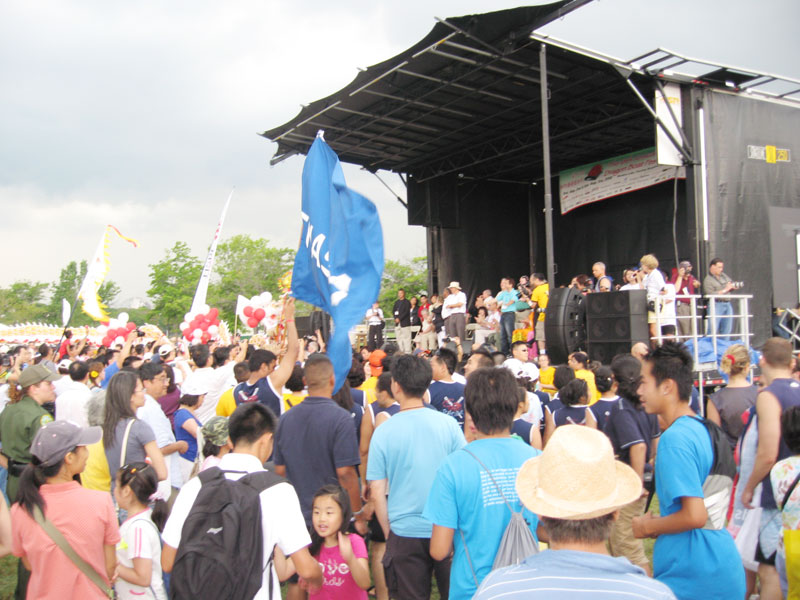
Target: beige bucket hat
x: 576, y: 477
x: 454, y: 284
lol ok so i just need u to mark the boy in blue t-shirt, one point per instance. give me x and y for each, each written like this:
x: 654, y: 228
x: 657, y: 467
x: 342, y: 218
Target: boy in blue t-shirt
x: 695, y: 558
x: 465, y: 497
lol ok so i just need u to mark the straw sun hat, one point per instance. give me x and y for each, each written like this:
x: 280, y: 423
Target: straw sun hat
x: 576, y: 477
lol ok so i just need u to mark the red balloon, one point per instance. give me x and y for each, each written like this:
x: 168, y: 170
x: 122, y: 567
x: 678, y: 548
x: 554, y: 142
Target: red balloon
x: 130, y: 325
x: 259, y: 313
x: 252, y: 322
x: 205, y: 338
x: 212, y: 314
x: 216, y: 322
x: 248, y: 311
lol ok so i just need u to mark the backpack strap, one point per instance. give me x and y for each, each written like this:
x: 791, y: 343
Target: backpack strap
x: 502, y: 495
x: 789, y: 491
x: 497, y: 487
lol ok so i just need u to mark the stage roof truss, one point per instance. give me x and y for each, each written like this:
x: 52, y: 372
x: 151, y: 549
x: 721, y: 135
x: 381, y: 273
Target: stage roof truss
x: 466, y: 100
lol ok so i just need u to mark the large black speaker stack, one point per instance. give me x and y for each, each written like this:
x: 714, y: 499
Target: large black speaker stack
x: 564, y: 324
x: 614, y: 322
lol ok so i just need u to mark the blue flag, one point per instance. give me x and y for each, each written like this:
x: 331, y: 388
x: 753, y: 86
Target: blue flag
x: 339, y: 264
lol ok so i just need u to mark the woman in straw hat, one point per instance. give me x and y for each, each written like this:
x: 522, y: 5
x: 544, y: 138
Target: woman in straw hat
x: 576, y: 488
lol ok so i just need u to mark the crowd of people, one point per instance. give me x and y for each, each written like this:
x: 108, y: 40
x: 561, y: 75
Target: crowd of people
x: 151, y: 465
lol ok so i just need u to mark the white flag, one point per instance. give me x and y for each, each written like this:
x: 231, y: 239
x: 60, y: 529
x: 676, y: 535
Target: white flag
x: 202, y: 286
x: 65, y: 311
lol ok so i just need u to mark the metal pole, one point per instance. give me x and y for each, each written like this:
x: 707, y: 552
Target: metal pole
x: 548, y: 192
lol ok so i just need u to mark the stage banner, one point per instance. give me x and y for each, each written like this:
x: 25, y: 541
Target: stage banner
x: 339, y: 264
x: 200, y: 294
x: 612, y: 177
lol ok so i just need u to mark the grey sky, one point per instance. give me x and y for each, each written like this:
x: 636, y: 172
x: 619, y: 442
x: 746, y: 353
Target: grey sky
x: 144, y: 115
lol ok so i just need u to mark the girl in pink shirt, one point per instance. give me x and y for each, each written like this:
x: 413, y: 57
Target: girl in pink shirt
x: 342, y: 555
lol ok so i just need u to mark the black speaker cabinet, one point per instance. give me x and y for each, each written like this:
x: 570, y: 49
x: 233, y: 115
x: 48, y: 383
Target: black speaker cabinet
x: 614, y: 322
x: 564, y: 324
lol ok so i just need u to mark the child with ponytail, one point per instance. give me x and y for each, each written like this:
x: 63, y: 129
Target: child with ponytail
x: 139, y: 551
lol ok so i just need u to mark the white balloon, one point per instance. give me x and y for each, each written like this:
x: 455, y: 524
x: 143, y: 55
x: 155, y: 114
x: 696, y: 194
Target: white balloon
x: 266, y: 297
x: 213, y: 330
x: 119, y: 340
x: 204, y: 309
x: 184, y: 326
x: 114, y: 324
x: 188, y: 316
x: 123, y: 317
x: 102, y: 329
x: 197, y: 333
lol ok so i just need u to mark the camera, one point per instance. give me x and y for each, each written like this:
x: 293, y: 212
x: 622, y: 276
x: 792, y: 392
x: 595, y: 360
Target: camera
x: 6, y: 362
x: 140, y: 333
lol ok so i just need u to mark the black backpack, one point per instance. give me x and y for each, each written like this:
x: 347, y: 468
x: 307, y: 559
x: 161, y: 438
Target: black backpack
x: 221, y: 551
x: 718, y: 486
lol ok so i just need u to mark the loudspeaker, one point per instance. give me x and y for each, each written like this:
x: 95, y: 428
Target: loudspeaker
x: 614, y: 322
x: 564, y: 324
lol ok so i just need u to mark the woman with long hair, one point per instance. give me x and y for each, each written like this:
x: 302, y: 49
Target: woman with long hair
x: 634, y: 436
x: 48, y: 491
x: 127, y: 439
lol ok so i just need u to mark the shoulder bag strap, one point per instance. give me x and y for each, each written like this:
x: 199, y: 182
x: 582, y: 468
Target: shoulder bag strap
x: 124, y: 454
x: 789, y: 491
x: 54, y: 534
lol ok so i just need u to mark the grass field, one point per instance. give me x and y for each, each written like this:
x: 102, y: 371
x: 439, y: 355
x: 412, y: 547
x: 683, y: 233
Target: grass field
x: 8, y: 567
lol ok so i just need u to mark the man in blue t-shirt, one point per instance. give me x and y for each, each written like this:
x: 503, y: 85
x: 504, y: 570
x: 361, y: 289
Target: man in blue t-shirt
x: 404, y: 454
x: 444, y: 394
x: 464, y: 497
x: 507, y: 300
x: 694, y: 556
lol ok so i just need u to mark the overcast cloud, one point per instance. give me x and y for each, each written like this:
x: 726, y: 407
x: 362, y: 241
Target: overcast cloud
x: 144, y: 114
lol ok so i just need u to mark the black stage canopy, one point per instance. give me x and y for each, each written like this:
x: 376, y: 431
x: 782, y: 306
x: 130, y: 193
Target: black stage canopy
x: 465, y: 100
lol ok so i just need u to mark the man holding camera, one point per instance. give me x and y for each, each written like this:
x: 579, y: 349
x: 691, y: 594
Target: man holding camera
x: 718, y: 284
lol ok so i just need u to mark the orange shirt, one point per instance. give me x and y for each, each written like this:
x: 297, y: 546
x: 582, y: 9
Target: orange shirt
x: 86, y: 518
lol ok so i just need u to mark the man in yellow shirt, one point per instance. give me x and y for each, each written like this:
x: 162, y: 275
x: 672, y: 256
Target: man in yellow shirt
x: 539, y: 297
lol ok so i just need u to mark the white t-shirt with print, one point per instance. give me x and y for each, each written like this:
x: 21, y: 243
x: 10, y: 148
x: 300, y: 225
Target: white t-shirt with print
x: 140, y: 539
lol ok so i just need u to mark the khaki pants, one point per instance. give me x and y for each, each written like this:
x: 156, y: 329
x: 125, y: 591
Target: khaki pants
x: 622, y: 542
x: 427, y: 341
x: 403, y: 335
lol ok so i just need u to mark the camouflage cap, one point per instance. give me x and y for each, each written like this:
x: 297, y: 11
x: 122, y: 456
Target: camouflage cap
x: 216, y: 430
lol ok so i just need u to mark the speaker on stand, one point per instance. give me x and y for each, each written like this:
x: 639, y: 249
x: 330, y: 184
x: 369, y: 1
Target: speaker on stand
x: 614, y: 322
x: 564, y: 324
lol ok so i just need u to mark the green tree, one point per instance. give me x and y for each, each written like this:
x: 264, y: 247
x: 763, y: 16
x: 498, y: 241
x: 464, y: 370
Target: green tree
x: 246, y: 266
x: 411, y: 275
x: 22, y: 302
x: 67, y: 287
x: 173, y: 282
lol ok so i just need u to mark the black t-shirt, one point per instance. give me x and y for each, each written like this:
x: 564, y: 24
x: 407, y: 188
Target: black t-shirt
x: 438, y: 321
x: 402, y: 311
x: 628, y: 425
x: 314, y: 439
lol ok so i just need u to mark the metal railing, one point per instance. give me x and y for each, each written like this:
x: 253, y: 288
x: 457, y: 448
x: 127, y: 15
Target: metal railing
x: 739, y: 320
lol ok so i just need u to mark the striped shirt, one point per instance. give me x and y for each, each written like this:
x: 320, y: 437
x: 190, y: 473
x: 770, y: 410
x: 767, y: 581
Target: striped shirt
x: 570, y: 574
